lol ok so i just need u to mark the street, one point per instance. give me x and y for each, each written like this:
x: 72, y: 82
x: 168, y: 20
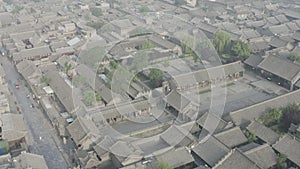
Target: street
x: 43, y: 139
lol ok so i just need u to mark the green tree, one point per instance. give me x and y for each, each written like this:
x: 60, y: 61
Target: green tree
x: 113, y: 65
x: 45, y: 80
x: 147, y: 45
x: 68, y: 67
x: 222, y: 41
x: 144, y: 9
x: 281, y: 161
x: 273, y: 116
x: 291, y: 114
x: 88, y: 97
x: 98, y: 97
x: 251, y: 136
x: 155, y: 77
x: 241, y: 49
x: 293, y: 57
x: 187, y: 44
x: 163, y: 165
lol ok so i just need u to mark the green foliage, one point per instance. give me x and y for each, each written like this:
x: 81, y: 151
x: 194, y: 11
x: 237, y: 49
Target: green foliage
x: 155, y: 77
x: 88, y: 97
x: 226, y: 56
x: 163, y: 165
x: 45, y: 80
x: 96, y: 12
x: 293, y: 57
x: 68, y: 66
x: 250, y: 136
x: 281, y: 161
x: 113, y: 65
x: 291, y: 115
x: 281, y: 118
x: 196, y: 58
x: 273, y: 116
x: 205, y: 91
x: 144, y: 9
x: 222, y: 41
x: 241, y: 49
x: 187, y: 44
x: 98, y: 97
x: 147, y: 45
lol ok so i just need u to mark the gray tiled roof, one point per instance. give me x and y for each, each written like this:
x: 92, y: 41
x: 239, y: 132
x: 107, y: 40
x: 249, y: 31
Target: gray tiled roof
x: 263, y: 132
x: 282, y: 68
x: 211, y: 150
x: 245, y: 115
x: 254, y: 60
x: 232, y: 137
x: 236, y: 160
x: 178, y: 101
x: 176, y: 157
x: 63, y: 91
x: 80, y: 127
x: 290, y: 146
x: 264, y: 156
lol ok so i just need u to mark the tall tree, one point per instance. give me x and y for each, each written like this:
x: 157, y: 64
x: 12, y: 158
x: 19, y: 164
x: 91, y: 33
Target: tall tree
x: 241, y: 49
x: 281, y: 161
x: 89, y: 97
x: 273, y: 116
x: 251, y: 136
x: 293, y: 56
x: 222, y: 41
x: 155, y: 77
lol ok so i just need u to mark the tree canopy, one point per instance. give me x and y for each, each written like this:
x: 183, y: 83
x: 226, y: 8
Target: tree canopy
x: 89, y: 97
x: 241, y: 49
x: 163, y: 165
x: 147, y: 45
x: 251, y: 136
x: 45, y: 80
x: 293, y: 57
x: 273, y: 116
x: 281, y: 161
x: 155, y: 77
x: 144, y: 9
x: 222, y: 41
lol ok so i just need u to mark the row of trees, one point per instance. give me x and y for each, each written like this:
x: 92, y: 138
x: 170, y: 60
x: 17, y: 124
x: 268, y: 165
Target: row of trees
x: 227, y: 47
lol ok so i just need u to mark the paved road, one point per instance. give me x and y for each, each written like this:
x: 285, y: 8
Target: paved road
x: 42, y: 137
